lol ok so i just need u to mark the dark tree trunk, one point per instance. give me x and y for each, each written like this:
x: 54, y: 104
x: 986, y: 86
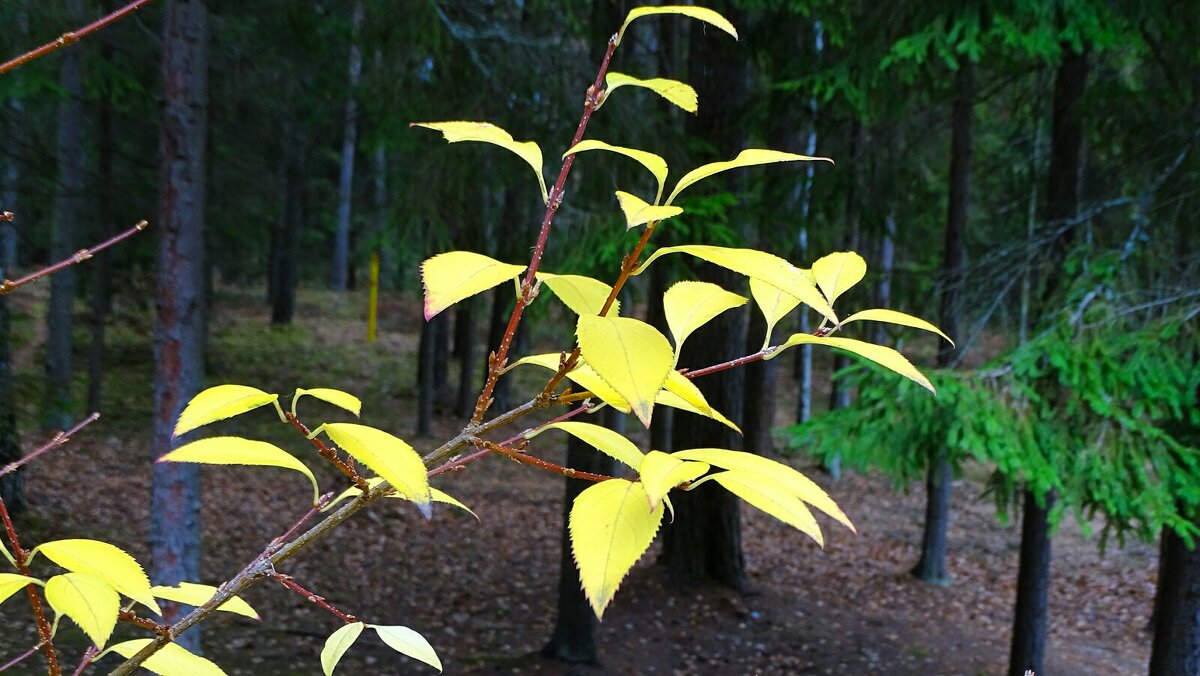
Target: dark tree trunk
x: 101, y: 269
x: 341, y: 239
x: 932, y: 565
x: 11, y: 485
x: 285, y: 236
x: 443, y: 390
x: 427, y: 374
x: 1176, y: 649
x: 175, y: 491
x: 762, y: 381
x: 57, y: 407
x: 464, y: 347
x: 662, y: 428
x: 1063, y: 179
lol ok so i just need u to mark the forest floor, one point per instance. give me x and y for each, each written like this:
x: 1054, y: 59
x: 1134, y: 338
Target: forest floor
x: 483, y: 592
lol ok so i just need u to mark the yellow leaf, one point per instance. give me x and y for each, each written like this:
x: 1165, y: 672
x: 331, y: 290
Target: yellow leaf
x: 884, y: 356
x: 486, y: 132
x: 758, y: 265
x: 408, y: 642
x: 218, y: 403
x: 690, y: 305
x: 703, y: 14
x: 653, y: 163
x: 638, y: 211
x: 446, y: 498
x: 775, y: 305
x: 337, y: 644
x: 771, y: 497
x: 455, y: 275
x: 197, y: 595
x: 343, y: 400
x: 795, y: 482
x: 88, y: 600
x: 170, y: 660
x: 120, y: 570
x: 660, y: 473
x: 435, y: 494
x: 838, y: 272
x: 602, y: 439
x: 747, y: 158
x: 894, y: 317
x: 630, y: 355
x: 669, y: 398
x: 583, y: 375
x: 11, y: 583
x: 674, y: 91
x: 389, y: 456
x: 611, y: 526
x: 239, y: 451
x: 583, y: 295
x: 680, y: 392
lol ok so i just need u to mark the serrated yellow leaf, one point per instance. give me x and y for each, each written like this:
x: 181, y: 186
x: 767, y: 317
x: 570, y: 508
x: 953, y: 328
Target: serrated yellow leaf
x: 88, y: 600
x: 837, y: 272
x: 455, y: 275
x: 486, y: 132
x: 408, y: 642
x: 11, y: 583
x: 880, y: 354
x: 219, y: 403
x: 630, y: 355
x: 758, y: 265
x: 389, y: 456
x: 795, y: 482
x: 611, y: 526
x: 239, y: 451
x: 607, y: 441
x: 194, y: 594
x: 771, y: 497
x: 678, y: 93
x: 170, y: 660
x: 583, y: 295
x: 894, y: 317
x: 582, y: 375
x: 680, y: 392
x: 660, y: 473
x: 690, y: 305
x: 775, y: 305
x: 749, y: 157
x: 668, y: 398
x: 653, y: 163
x: 701, y: 13
x: 108, y: 562
x: 338, y: 643
x: 343, y: 400
x: 637, y: 211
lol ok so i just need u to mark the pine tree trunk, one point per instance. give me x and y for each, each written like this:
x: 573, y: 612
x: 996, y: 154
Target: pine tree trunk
x: 932, y: 565
x: 11, y: 485
x: 57, y: 406
x: 285, y: 236
x: 341, y: 240
x: 175, y: 491
x: 1028, y: 649
x: 464, y: 347
x: 101, y: 269
x: 426, y: 375
x: 762, y: 381
x: 1176, y: 648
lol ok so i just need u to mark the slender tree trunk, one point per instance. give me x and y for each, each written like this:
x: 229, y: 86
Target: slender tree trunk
x: 464, y: 342
x: 57, y: 407
x: 11, y: 485
x: 175, y: 491
x: 285, y: 236
x: 762, y: 381
x: 932, y: 565
x: 803, y: 366
x: 662, y: 428
x: 1030, y: 621
x: 1176, y: 648
x: 887, y: 265
x: 101, y: 268
x: 341, y: 239
x: 427, y: 374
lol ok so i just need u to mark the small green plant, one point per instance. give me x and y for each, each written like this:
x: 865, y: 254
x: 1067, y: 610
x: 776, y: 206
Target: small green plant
x: 618, y: 362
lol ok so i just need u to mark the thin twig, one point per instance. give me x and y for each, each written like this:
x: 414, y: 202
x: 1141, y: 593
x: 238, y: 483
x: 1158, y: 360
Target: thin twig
x: 328, y: 453
x: 8, y: 285
x: 71, y: 37
x: 290, y: 583
x: 526, y: 459
x: 22, y: 657
x: 57, y: 440
x: 87, y: 659
x: 130, y: 617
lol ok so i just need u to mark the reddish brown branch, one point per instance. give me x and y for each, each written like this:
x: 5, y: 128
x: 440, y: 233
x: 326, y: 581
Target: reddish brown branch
x: 526, y: 459
x: 35, y: 601
x: 57, y: 440
x: 130, y: 617
x: 71, y: 37
x: 290, y: 583
x: 8, y: 286
x: 329, y: 454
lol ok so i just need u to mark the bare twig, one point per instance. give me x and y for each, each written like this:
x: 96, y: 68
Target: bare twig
x: 88, y: 655
x: 57, y: 440
x: 290, y: 583
x: 22, y: 657
x: 8, y: 285
x: 71, y: 37
x: 524, y: 458
x: 328, y: 453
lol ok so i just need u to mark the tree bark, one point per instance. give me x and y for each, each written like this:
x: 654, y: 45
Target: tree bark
x: 341, y: 239
x: 57, y: 406
x: 932, y: 565
x: 175, y: 490
x: 284, y: 256
x: 101, y: 300
x: 1176, y: 648
x: 1028, y: 649
x: 427, y: 374
x: 464, y: 346
x: 762, y: 381
x: 11, y: 485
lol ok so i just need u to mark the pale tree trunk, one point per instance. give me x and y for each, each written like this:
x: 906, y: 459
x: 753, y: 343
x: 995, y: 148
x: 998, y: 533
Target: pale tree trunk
x: 939, y: 474
x: 57, y: 407
x: 803, y: 366
x: 175, y: 492
x: 341, y: 239
x: 887, y: 265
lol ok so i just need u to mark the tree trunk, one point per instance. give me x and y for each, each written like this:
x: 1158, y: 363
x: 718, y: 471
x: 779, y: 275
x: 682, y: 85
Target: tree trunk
x: 932, y: 565
x: 762, y: 381
x: 802, y: 367
x: 175, y: 491
x: 11, y: 485
x: 57, y: 407
x: 887, y: 266
x: 427, y: 374
x: 464, y: 346
x: 341, y: 239
x: 285, y: 236
x: 1033, y: 587
x: 1176, y: 649
x: 101, y: 269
